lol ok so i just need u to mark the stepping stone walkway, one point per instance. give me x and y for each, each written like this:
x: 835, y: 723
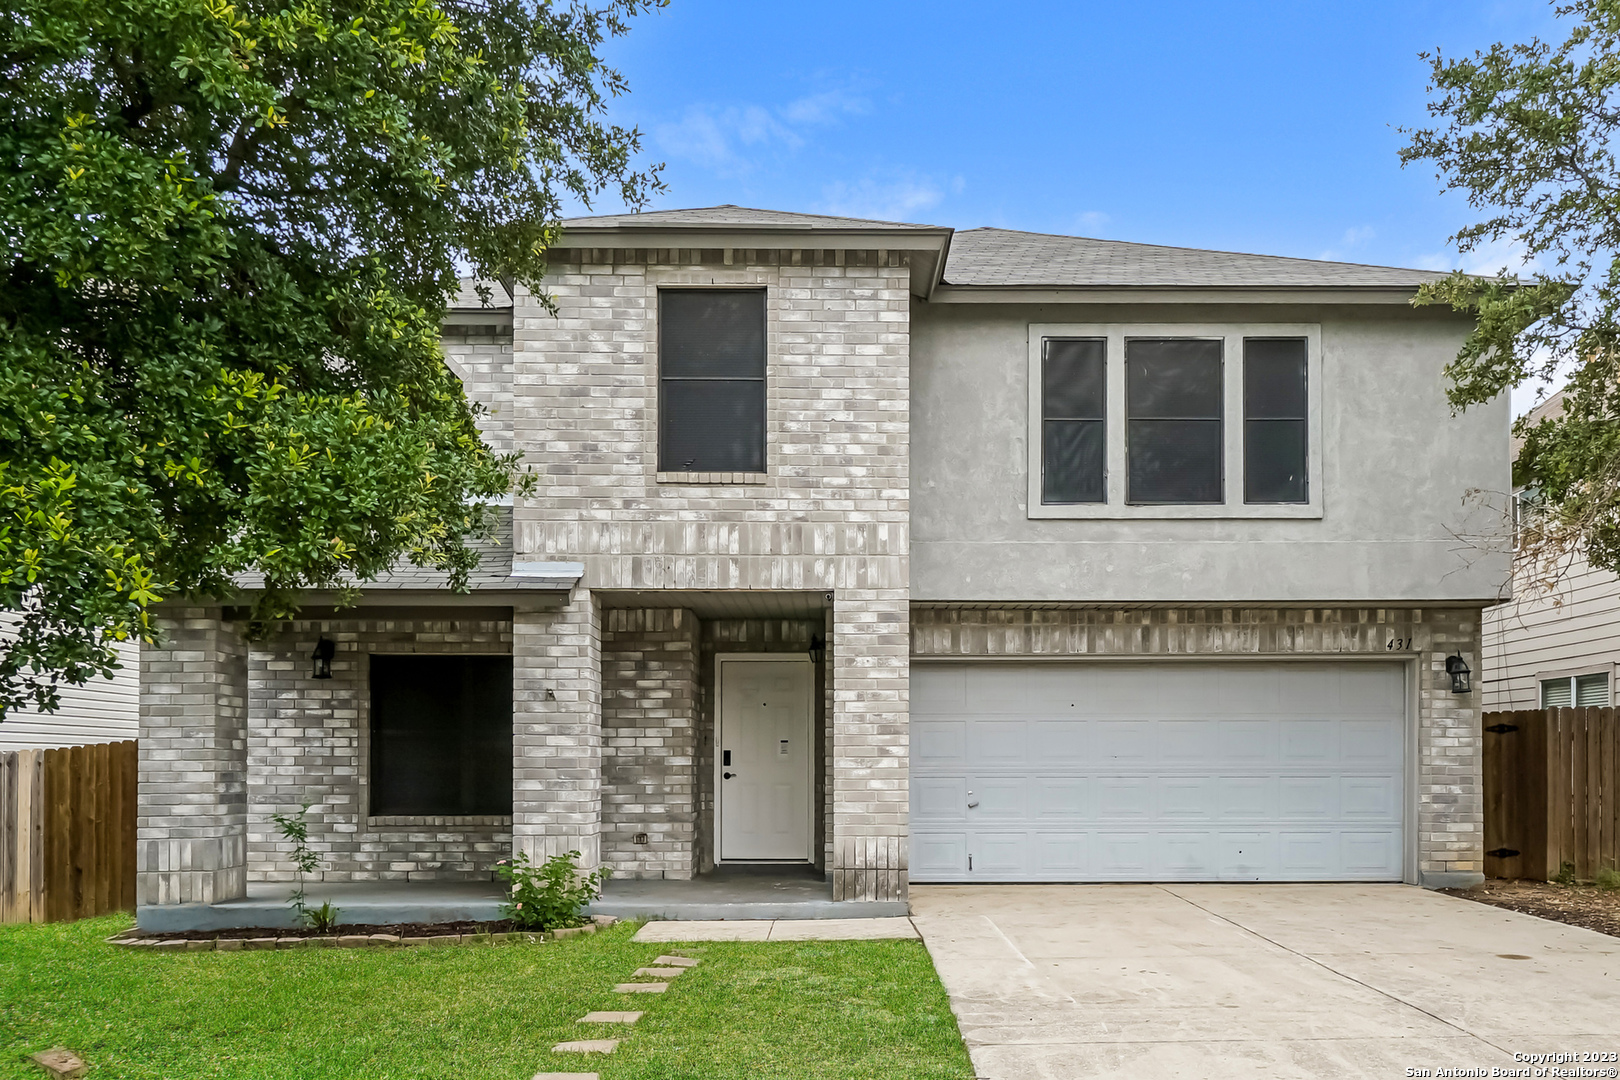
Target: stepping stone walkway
x: 667, y: 967
x: 610, y: 1018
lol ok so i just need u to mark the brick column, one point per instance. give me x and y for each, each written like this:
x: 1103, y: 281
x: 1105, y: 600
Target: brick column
x: 191, y: 826
x: 557, y: 731
x: 871, y: 661
x: 1451, y: 794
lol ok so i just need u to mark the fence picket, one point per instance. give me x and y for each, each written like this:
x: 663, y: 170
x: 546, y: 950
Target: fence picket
x: 1552, y: 792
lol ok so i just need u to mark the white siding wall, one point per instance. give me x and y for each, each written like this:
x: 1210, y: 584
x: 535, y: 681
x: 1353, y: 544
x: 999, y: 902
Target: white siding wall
x: 1573, y: 630
x: 100, y: 711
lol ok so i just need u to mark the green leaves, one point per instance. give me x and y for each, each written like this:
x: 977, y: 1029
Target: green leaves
x: 1528, y: 133
x: 231, y: 229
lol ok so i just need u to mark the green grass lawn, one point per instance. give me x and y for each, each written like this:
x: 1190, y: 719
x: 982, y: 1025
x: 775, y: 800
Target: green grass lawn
x: 841, y: 1009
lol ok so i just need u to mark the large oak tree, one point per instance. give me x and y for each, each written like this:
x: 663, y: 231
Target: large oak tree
x: 231, y: 231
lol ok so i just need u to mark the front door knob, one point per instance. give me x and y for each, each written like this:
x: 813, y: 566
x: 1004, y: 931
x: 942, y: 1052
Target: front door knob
x: 726, y: 775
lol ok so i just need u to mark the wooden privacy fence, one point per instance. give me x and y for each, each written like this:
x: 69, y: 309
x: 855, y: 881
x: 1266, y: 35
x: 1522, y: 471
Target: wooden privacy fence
x: 1550, y: 792
x: 67, y: 832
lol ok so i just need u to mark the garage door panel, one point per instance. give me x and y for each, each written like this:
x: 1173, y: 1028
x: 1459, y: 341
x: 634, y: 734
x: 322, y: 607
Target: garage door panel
x: 1243, y: 771
x: 939, y: 743
x: 940, y: 798
x: 1063, y: 798
x: 998, y: 742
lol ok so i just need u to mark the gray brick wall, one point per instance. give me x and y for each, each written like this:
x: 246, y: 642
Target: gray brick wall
x: 1450, y: 825
x: 557, y: 731
x: 830, y: 513
x: 192, y: 815
x: 649, y: 742
x: 308, y: 740
x: 481, y: 357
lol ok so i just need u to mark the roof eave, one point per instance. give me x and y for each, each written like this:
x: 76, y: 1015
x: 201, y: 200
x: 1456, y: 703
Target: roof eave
x: 948, y: 293
x: 930, y: 240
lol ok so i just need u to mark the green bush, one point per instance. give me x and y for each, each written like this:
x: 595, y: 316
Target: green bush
x: 1608, y: 879
x: 551, y: 895
x: 1565, y: 875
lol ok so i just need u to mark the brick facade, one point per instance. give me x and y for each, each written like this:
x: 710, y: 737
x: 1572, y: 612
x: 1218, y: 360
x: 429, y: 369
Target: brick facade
x: 309, y: 741
x: 1450, y: 798
x: 831, y: 512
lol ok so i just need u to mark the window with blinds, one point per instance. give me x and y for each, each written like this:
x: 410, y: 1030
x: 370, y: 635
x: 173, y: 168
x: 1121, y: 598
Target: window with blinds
x: 711, y: 380
x: 1274, y: 420
x: 1577, y: 691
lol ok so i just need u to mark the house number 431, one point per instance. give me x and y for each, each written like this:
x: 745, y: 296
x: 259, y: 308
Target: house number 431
x: 1399, y: 643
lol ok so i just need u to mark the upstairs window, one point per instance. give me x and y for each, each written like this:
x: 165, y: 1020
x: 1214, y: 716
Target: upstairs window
x: 1578, y: 691
x: 711, y: 380
x: 1073, y: 421
x: 441, y: 735
x: 1274, y: 420
x: 1173, y: 420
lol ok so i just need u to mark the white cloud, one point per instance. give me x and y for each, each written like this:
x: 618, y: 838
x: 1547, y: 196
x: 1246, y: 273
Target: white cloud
x: 894, y: 200
x: 1353, y: 237
x: 720, y: 137
x: 1092, y: 220
x: 1489, y: 258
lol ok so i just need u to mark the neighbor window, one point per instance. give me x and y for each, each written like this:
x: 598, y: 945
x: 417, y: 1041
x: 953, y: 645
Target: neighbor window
x: 1073, y: 424
x: 1173, y: 427
x: 1577, y: 691
x: 711, y: 380
x: 1274, y: 420
x: 441, y: 735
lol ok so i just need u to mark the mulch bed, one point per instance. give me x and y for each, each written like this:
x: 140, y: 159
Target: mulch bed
x: 1578, y: 905
x: 502, y: 926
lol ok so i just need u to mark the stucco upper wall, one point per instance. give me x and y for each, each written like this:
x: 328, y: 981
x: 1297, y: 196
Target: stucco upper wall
x: 1396, y: 477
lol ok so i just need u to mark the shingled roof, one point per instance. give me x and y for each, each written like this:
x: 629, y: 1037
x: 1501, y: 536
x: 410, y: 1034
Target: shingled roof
x: 990, y: 257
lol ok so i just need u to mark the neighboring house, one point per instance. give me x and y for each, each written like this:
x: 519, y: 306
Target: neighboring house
x: 1554, y: 647
x: 100, y: 711
x: 908, y: 554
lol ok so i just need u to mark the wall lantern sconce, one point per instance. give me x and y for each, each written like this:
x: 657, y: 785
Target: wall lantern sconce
x: 818, y: 648
x: 325, y: 649
x: 1457, y: 668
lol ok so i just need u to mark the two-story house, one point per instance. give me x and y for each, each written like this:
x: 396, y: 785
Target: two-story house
x: 907, y: 554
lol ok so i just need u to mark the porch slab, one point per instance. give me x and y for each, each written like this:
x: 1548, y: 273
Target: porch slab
x: 375, y: 903
x: 731, y: 893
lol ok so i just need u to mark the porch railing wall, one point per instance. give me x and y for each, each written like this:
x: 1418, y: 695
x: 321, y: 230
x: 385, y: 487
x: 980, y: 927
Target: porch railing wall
x: 67, y: 832
x: 1551, y: 796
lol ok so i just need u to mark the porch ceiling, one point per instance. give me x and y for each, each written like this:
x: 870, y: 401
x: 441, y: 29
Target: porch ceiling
x: 722, y: 603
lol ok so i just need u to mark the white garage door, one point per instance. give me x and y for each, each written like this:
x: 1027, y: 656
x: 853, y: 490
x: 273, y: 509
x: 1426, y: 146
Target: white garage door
x: 1157, y: 772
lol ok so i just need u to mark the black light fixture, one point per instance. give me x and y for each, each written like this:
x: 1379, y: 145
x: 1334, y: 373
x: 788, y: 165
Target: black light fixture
x: 325, y: 649
x: 1457, y: 668
x: 818, y: 648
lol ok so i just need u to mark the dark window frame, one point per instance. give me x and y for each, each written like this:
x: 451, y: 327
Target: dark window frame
x: 1218, y: 420
x: 1303, y: 420
x: 763, y: 378
x: 1100, y: 420
x: 374, y: 756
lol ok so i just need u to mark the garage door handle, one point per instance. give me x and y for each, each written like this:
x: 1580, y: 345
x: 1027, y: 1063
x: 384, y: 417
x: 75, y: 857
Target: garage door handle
x: 971, y: 805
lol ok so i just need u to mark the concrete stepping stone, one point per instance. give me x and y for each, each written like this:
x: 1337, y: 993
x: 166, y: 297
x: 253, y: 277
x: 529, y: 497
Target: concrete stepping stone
x: 60, y: 1062
x: 677, y: 961
x: 610, y: 1018
x: 587, y: 1046
x: 661, y: 972
x: 567, y: 1076
x: 641, y: 988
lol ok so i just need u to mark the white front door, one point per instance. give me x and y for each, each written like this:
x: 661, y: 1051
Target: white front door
x: 763, y: 758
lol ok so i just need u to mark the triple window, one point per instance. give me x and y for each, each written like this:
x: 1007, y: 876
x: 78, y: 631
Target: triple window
x: 1216, y: 419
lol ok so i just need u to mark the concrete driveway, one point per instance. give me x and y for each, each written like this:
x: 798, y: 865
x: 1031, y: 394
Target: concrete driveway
x: 1061, y: 981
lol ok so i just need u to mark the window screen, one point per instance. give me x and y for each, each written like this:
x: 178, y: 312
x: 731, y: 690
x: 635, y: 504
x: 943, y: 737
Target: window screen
x: 1173, y: 420
x: 1274, y: 420
x: 711, y: 380
x: 441, y: 735
x: 1073, y: 377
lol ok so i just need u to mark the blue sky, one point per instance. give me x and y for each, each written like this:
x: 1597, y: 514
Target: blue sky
x: 1265, y: 127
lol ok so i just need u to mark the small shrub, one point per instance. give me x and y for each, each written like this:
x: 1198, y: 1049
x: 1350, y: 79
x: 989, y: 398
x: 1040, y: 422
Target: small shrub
x: 295, y: 829
x: 1608, y: 879
x: 550, y: 895
x: 1565, y: 875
